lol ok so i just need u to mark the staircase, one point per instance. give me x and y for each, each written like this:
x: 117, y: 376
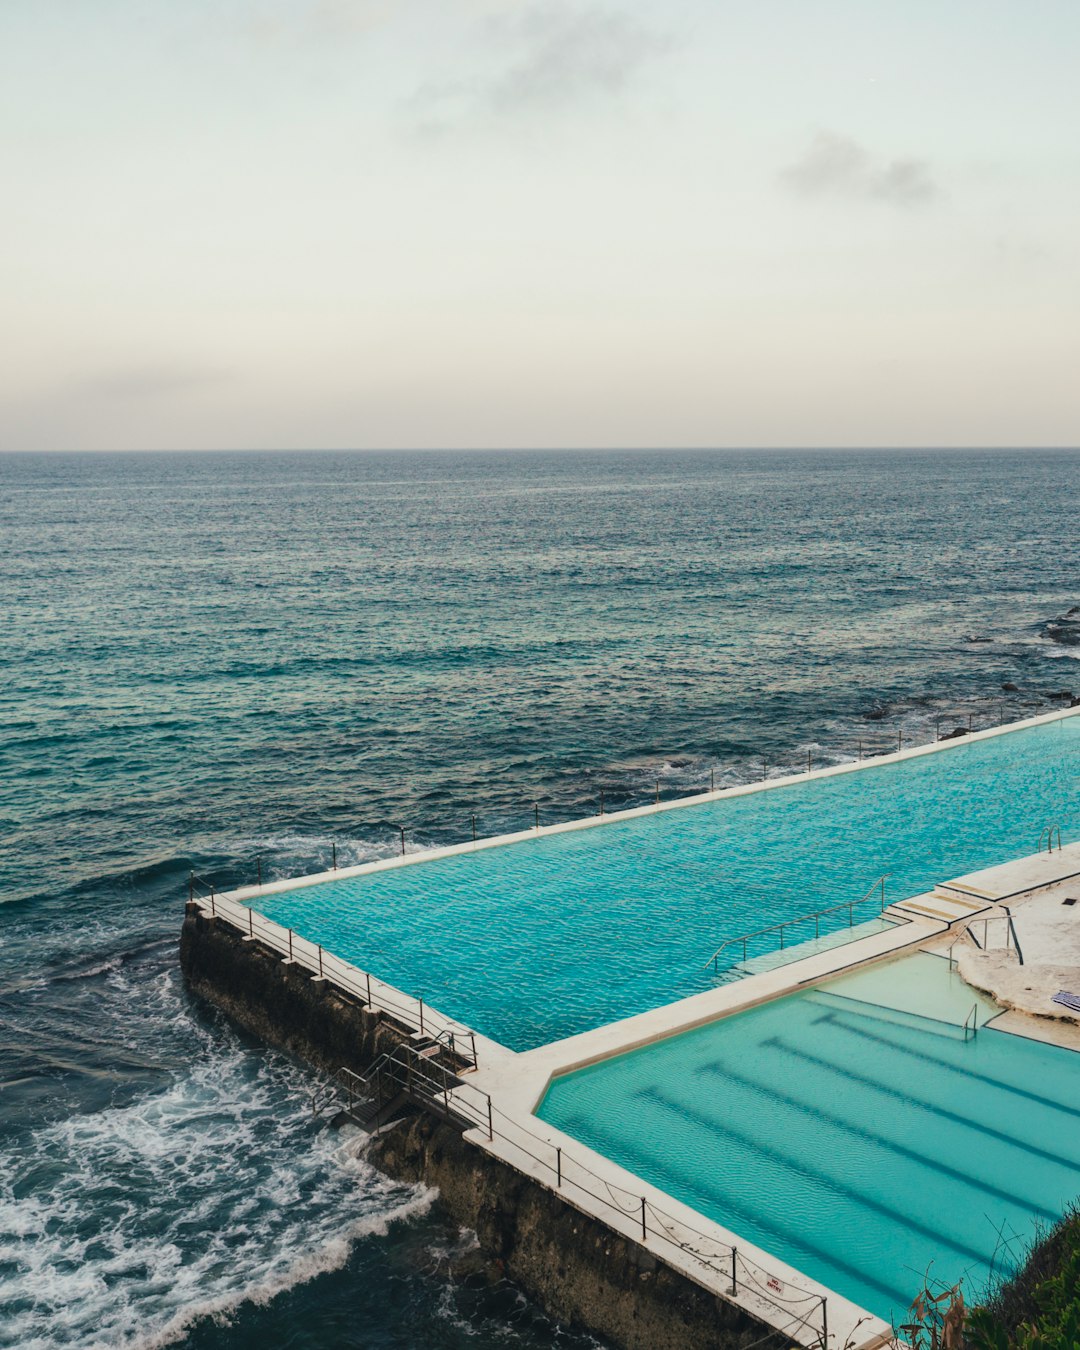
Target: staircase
x: 410, y: 1075
x: 948, y: 903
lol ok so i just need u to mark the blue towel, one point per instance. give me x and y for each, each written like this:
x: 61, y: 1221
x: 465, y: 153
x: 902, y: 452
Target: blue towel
x: 1071, y: 1001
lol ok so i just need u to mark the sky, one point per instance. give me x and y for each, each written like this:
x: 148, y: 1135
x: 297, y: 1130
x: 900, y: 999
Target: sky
x: 539, y: 223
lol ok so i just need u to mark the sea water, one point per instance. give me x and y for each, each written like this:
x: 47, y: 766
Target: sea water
x: 211, y: 658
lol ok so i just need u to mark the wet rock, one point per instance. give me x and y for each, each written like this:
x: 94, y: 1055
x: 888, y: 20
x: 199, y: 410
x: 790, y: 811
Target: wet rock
x: 977, y: 637
x: 956, y: 731
x: 1011, y: 688
x: 1062, y: 693
x: 1065, y: 629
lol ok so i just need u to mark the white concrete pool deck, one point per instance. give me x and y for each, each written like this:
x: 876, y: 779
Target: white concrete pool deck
x: 680, y: 1236
x: 415, y: 856
x: 1046, y: 928
x: 518, y: 1082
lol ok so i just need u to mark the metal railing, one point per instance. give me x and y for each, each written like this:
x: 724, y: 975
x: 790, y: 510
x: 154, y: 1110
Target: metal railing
x: 817, y: 916
x: 868, y: 745
x: 991, y: 926
x: 718, y: 1266
x: 1048, y: 835
x: 409, y: 1012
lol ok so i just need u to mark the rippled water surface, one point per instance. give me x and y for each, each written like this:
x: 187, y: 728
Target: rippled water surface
x: 207, y: 659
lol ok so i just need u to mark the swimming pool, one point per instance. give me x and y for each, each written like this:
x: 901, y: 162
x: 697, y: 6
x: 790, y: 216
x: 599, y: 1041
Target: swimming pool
x: 534, y: 941
x: 860, y: 1142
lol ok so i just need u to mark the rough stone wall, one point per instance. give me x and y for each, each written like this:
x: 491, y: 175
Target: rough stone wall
x: 280, y: 1003
x: 577, y: 1268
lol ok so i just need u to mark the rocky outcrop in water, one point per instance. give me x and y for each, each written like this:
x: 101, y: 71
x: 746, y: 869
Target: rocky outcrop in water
x: 1065, y: 629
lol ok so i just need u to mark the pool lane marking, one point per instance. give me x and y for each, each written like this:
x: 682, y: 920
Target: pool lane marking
x: 859, y: 1132
x: 921, y: 1102
x: 756, y: 1227
x: 837, y: 1019
x: 813, y: 1174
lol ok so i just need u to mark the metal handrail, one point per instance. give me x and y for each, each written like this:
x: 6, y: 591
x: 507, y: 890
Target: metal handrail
x: 971, y: 1022
x: 1048, y: 834
x: 850, y: 906
x: 465, y: 1104
x: 411, y: 1013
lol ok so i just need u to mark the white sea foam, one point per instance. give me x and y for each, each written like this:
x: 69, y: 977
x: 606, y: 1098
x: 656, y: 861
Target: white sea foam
x: 122, y: 1227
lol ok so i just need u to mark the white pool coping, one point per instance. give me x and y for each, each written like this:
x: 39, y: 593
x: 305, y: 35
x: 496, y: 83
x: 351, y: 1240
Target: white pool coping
x: 516, y: 1082
x: 417, y: 856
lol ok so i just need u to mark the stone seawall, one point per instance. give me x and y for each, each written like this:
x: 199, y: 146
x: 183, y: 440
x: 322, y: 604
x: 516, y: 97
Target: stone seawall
x: 579, y: 1270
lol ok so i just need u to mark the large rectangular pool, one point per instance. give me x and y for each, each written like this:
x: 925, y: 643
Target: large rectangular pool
x: 864, y: 1143
x: 533, y: 941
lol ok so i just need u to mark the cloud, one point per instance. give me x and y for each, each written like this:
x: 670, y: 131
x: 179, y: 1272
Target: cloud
x: 839, y: 167
x: 543, y: 58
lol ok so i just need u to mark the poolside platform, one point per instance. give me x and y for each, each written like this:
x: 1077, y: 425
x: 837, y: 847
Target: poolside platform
x: 491, y: 1091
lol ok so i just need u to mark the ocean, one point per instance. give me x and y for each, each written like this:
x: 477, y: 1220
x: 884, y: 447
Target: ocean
x: 222, y: 661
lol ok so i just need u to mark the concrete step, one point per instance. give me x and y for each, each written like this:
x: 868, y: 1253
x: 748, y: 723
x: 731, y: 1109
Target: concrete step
x: 946, y: 908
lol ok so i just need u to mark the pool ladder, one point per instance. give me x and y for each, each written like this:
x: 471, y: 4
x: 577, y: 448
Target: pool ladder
x: 1047, y: 836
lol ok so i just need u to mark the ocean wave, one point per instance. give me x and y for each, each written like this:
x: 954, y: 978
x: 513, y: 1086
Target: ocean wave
x: 124, y: 1227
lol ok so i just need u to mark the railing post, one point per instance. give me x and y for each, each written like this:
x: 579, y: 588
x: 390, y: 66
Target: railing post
x: 899, y: 740
x: 809, y: 761
x: 290, y: 944
x: 259, y: 862
x: 817, y: 925
x: 402, y: 828
x: 744, y: 951
x: 601, y: 801
x: 764, y: 770
x: 712, y: 780
x: 491, y: 1128
x: 644, y: 1230
x: 781, y: 937
x: 213, y: 905
x: 472, y: 1038
x: 851, y: 915
x: 368, y: 974
x: 825, y: 1322
x: 421, y: 1002
x: 558, y: 1167
x: 658, y: 792
x: 473, y: 819
x: 251, y: 921
x: 536, y: 814
x: 333, y: 850
x: 191, y: 887
x: 734, y: 1276
x: 320, y: 963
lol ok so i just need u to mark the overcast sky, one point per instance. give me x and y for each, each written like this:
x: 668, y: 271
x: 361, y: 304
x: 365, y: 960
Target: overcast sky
x: 398, y: 223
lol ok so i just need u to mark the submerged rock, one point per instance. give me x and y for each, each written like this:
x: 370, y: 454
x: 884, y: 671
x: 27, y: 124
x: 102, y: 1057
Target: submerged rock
x: 1011, y: 688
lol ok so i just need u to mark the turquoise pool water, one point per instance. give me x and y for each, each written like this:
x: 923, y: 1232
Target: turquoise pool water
x: 857, y: 1141
x: 535, y: 941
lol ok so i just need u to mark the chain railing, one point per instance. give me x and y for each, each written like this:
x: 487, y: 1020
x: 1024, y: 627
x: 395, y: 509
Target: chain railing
x: 719, y: 1266
x: 868, y: 746
x: 412, y: 1013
